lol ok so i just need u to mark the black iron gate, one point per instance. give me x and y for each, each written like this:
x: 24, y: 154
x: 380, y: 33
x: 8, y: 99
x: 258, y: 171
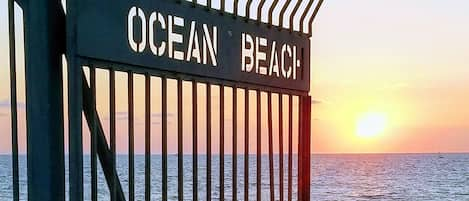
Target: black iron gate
x: 45, y: 28
x: 99, y: 146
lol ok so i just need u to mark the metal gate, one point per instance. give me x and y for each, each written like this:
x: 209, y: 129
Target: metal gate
x: 48, y: 29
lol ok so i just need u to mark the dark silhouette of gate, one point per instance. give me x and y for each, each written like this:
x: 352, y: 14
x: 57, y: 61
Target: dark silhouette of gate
x: 49, y: 34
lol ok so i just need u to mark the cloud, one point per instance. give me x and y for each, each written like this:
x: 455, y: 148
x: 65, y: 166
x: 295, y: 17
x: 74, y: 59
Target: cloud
x: 121, y: 113
x: 394, y: 86
x: 156, y: 123
x: 6, y: 104
x: 159, y: 114
x: 121, y: 116
x: 399, y: 85
x: 315, y: 102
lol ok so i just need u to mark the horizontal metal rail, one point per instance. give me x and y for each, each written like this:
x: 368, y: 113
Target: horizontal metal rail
x: 200, y: 79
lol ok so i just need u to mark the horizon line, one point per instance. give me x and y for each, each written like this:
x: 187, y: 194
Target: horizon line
x: 254, y: 154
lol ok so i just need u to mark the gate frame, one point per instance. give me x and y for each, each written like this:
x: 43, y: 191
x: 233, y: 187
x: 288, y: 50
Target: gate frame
x: 45, y: 42
x: 44, y: 25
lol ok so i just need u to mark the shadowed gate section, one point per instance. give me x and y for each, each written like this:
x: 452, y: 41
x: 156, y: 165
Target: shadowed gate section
x: 44, y: 42
x: 82, y: 98
x: 99, y: 145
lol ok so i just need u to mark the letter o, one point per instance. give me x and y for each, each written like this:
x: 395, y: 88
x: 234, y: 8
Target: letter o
x: 134, y: 11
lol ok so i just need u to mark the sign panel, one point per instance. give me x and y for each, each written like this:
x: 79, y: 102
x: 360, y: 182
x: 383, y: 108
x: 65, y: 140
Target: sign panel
x: 180, y: 38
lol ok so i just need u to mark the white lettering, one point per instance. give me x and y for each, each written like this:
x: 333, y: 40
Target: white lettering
x: 154, y: 49
x: 282, y: 63
x: 260, y: 56
x: 210, y: 43
x: 247, y: 53
x: 136, y: 12
x: 273, y: 68
x: 296, y: 62
x: 175, y: 46
x: 286, y: 49
x: 193, y: 49
x: 175, y: 37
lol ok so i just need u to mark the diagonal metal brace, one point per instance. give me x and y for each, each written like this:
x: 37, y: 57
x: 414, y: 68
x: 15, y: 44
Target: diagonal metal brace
x: 104, y: 154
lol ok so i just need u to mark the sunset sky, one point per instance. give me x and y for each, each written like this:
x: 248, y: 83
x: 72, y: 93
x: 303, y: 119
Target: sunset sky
x: 401, y: 64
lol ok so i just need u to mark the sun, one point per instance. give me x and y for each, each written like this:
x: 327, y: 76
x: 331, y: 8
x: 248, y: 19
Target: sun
x: 371, y: 124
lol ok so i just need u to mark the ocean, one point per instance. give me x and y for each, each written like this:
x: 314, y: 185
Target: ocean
x: 353, y: 177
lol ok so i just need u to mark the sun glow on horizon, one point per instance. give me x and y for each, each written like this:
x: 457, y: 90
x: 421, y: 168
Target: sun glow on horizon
x: 371, y: 124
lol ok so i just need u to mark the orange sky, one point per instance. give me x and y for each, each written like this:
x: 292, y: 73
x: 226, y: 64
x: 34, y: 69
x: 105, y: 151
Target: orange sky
x: 407, y: 60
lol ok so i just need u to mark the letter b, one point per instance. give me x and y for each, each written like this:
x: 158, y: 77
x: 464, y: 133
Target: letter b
x: 247, y: 53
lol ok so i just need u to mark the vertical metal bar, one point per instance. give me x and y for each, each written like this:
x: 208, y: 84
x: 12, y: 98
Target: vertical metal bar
x: 271, y: 151
x: 75, y: 109
x: 300, y: 148
x: 248, y: 9
x: 194, y: 142
x: 180, y: 144
x: 94, y: 143
x: 13, y: 98
x: 290, y: 139
x: 222, y: 142
x: 147, y: 137
x: 315, y: 13
x: 75, y: 132
x: 222, y: 7
x: 292, y: 15
x: 112, y: 129
x: 209, y: 4
x: 259, y: 11
x: 259, y: 147
x: 282, y: 13
x: 44, y: 45
x: 130, y: 93
x: 235, y: 145
x: 305, y: 12
x: 235, y: 8
x: 164, y: 121
x: 209, y: 142
x: 304, y: 149
x: 246, y: 144
x: 271, y: 11
x: 280, y: 137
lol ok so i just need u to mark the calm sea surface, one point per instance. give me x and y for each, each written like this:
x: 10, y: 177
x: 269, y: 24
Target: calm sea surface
x: 334, y: 177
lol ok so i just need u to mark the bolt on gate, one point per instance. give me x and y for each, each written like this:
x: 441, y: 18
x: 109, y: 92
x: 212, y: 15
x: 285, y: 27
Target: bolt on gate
x: 179, y: 42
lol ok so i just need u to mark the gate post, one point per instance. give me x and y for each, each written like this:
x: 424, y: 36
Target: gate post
x: 304, y: 149
x: 44, y: 45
